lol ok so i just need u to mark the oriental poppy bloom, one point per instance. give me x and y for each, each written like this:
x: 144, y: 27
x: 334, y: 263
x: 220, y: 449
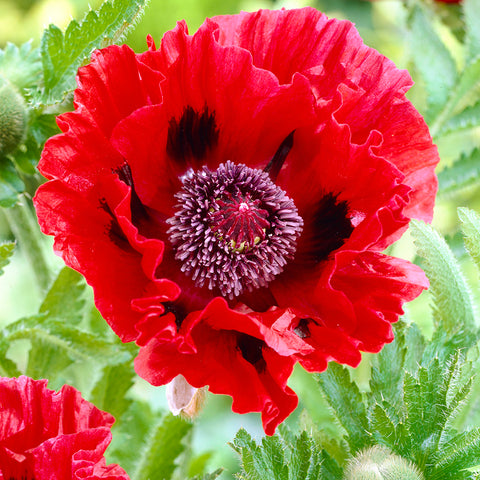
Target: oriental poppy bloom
x: 47, y: 435
x: 228, y: 196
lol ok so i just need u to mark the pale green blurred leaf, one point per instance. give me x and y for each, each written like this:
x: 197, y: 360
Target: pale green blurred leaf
x: 433, y: 60
x: 65, y: 298
x: 471, y: 10
x: 21, y: 65
x: 109, y: 392
x: 471, y: 230
x: 6, y: 251
x: 464, y: 173
x: 162, y: 447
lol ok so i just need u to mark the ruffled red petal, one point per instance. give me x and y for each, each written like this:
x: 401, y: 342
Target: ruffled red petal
x: 99, y: 241
x: 368, y: 88
x: 233, y: 355
x: 45, y: 434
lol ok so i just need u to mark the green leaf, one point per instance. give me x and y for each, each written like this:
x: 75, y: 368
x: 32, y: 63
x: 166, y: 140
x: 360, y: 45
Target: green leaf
x: 164, y: 445
x: 386, y: 381
x: 415, y: 347
x: 452, y: 301
x: 463, y: 95
x: 471, y: 9
x: 209, y: 476
x: 21, y: 66
x: 347, y: 404
x: 63, y: 54
x: 130, y: 432
x: 464, y: 120
x: 46, y: 359
x: 388, y: 432
x: 284, y: 456
x: 109, y: 392
x: 433, y: 60
x: 461, y: 452
x: 64, y: 299
x: 6, y: 251
x: 464, y: 173
x: 198, y: 464
x: 471, y: 230
x: 256, y: 464
x: 41, y: 128
x: 11, y: 185
x: 79, y: 345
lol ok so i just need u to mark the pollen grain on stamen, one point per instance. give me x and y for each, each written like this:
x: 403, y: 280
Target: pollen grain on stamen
x: 234, y: 230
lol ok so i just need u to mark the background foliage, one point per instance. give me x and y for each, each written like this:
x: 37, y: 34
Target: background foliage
x: 419, y: 397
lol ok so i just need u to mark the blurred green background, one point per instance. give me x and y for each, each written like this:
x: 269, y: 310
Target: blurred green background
x: 381, y: 24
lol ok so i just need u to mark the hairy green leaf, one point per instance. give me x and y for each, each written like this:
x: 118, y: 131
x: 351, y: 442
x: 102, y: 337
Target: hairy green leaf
x: 460, y: 453
x: 464, y: 173
x: 388, y: 432
x: 284, y: 456
x: 347, y: 404
x: 164, y: 444
x: 452, y: 301
x: 6, y: 251
x: 255, y: 465
x: 63, y: 54
x: 471, y: 230
x: 433, y: 60
x: 387, y: 372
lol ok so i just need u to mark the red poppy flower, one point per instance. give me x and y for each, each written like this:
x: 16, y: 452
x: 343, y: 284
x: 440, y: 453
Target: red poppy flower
x: 47, y: 435
x: 228, y: 197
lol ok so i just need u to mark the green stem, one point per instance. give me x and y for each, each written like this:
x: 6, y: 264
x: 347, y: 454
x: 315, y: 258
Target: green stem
x: 26, y: 232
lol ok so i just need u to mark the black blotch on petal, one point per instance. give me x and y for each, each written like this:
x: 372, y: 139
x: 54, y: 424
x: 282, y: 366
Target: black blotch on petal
x: 178, y: 312
x: 331, y: 227
x: 275, y: 164
x: 190, y: 137
x: 251, y: 349
x: 137, y: 208
x: 113, y: 229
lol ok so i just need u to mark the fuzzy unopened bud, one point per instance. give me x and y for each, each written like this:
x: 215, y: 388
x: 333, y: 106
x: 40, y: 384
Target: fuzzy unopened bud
x: 379, y: 463
x: 13, y: 118
x: 184, y: 399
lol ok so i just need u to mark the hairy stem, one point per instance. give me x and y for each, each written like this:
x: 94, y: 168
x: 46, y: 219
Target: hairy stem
x: 26, y: 232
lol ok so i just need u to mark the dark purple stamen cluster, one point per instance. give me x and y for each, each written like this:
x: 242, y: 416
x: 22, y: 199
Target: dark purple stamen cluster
x: 234, y: 230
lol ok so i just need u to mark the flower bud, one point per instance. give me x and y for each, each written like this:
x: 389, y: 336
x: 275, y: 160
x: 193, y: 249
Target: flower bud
x: 184, y: 399
x: 379, y: 463
x: 13, y: 118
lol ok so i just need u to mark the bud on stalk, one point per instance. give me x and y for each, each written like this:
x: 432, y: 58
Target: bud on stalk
x: 13, y: 118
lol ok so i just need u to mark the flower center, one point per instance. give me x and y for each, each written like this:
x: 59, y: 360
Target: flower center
x: 234, y: 230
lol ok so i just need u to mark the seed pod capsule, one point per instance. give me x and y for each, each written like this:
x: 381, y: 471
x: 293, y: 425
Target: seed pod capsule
x: 379, y: 463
